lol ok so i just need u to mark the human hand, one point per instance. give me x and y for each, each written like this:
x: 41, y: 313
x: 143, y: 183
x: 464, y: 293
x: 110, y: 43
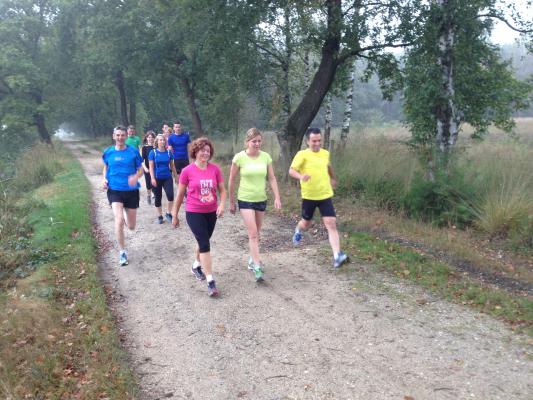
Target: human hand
x: 220, y: 211
x: 154, y: 182
x: 277, y: 204
x: 132, y: 180
x: 105, y: 185
x: 175, y: 221
x: 232, y: 208
x: 305, y: 178
x: 333, y: 183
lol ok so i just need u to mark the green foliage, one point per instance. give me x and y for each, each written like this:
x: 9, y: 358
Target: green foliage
x: 485, y: 89
x: 445, y: 201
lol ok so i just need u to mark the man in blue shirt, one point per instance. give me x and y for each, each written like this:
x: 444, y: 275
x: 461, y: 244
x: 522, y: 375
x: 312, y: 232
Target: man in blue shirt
x: 122, y: 170
x: 178, y: 143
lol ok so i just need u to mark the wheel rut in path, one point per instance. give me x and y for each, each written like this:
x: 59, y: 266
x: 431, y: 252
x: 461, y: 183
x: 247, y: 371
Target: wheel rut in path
x: 307, y: 332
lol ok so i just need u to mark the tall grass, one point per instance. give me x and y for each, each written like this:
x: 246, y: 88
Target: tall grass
x: 490, y: 185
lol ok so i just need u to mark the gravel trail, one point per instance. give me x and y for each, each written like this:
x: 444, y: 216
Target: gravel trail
x: 307, y: 332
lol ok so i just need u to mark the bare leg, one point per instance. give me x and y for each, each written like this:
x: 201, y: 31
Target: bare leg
x: 169, y: 208
x: 131, y: 218
x: 333, y: 234
x: 250, y: 221
x: 118, y: 213
x: 205, y: 261
x: 303, y: 225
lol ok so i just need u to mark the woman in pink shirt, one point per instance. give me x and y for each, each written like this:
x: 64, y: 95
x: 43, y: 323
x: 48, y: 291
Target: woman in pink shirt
x: 201, y: 179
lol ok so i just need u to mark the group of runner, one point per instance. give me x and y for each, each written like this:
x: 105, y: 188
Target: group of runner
x: 165, y: 157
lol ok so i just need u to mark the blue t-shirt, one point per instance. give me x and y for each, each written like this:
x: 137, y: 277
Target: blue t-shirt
x: 179, y: 145
x: 161, y: 161
x: 120, y: 165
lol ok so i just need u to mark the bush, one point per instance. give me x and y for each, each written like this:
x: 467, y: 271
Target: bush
x: 447, y: 201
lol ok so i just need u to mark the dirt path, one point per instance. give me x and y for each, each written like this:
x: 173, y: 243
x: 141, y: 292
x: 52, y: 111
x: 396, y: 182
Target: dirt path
x: 306, y: 333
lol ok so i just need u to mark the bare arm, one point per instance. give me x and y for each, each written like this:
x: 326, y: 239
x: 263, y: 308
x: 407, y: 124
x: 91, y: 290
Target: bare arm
x: 152, y: 173
x: 104, y: 173
x: 332, y: 177
x: 173, y: 170
x: 223, y: 197
x: 177, y: 204
x: 233, y: 172
x: 296, y: 175
x: 274, y: 185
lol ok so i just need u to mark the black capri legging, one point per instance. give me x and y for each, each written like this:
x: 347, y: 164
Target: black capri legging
x: 202, y: 226
x: 148, y: 179
x: 166, y: 184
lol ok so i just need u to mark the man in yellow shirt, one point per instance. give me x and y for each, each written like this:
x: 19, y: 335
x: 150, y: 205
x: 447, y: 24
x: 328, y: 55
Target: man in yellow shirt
x: 312, y: 168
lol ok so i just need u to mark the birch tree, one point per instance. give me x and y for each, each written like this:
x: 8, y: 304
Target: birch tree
x: 454, y: 76
x: 348, y: 103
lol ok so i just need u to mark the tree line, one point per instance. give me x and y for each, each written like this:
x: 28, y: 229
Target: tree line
x: 227, y: 64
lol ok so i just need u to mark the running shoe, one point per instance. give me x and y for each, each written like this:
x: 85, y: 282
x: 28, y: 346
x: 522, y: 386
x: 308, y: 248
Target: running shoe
x: 198, y: 273
x: 168, y: 217
x: 340, y: 259
x: 212, y: 289
x: 296, y: 238
x: 160, y: 220
x: 258, y: 271
x: 123, y: 259
x: 149, y: 199
x: 250, y: 264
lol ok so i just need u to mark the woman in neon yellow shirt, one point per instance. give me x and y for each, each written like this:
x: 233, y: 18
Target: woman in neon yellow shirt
x: 254, y: 166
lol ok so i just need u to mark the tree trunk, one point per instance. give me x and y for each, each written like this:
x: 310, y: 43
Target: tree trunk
x: 447, y: 114
x: 191, y: 105
x: 133, y: 111
x: 119, y: 82
x: 291, y: 135
x: 347, y: 118
x: 327, y: 121
x: 38, y: 120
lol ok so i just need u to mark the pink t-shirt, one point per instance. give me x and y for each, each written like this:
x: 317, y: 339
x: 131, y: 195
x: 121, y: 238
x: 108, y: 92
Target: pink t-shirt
x: 201, y: 187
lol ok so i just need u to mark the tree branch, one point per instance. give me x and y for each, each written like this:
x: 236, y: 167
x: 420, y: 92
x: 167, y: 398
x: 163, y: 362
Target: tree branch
x: 499, y: 17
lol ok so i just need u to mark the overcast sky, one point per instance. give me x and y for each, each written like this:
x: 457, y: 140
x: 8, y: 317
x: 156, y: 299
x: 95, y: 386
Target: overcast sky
x: 502, y: 34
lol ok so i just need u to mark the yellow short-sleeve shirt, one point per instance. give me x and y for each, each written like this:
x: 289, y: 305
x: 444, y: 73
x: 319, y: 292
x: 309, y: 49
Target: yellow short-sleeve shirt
x: 314, y: 164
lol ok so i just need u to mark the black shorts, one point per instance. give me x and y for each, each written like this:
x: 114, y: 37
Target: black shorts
x: 252, y: 205
x: 325, y: 206
x: 180, y: 164
x: 129, y: 198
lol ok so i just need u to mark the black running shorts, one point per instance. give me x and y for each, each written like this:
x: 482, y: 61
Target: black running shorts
x: 129, y: 198
x: 325, y: 206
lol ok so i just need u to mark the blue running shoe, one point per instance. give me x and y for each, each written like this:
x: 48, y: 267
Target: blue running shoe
x: 168, y: 217
x: 340, y: 259
x: 212, y: 289
x: 160, y: 220
x: 296, y: 238
x: 198, y: 273
x: 123, y: 259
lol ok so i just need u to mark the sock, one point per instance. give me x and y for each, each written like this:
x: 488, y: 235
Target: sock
x: 336, y: 255
x: 297, y: 230
x: 196, y: 264
x: 209, y: 278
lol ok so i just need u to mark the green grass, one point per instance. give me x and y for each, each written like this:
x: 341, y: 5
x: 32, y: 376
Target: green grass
x: 442, y: 279
x: 57, y: 337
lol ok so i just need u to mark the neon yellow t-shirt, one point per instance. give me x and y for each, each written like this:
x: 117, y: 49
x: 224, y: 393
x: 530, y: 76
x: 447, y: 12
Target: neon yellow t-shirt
x: 253, y: 173
x: 314, y: 164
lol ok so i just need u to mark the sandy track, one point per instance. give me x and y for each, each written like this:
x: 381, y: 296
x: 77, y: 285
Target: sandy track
x: 306, y: 333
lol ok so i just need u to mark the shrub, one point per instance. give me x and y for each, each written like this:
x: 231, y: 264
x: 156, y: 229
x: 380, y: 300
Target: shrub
x: 36, y: 167
x: 446, y: 201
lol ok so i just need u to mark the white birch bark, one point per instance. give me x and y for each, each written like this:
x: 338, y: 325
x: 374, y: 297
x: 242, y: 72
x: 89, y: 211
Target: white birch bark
x: 347, y: 118
x: 447, y: 117
x: 327, y: 121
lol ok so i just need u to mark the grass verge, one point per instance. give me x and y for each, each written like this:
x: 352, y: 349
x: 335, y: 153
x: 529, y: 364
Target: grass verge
x: 57, y: 337
x: 442, y: 279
